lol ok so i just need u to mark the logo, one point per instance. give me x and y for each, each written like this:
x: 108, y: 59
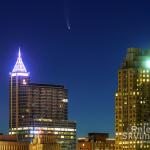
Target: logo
x: 137, y: 133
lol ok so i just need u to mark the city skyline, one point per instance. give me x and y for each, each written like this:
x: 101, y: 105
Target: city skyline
x: 84, y: 56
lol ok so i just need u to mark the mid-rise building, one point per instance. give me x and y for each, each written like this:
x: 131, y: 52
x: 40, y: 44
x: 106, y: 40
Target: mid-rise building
x: 132, y: 101
x: 96, y: 141
x: 38, y: 108
x: 8, y: 142
x: 40, y: 142
x: 44, y: 142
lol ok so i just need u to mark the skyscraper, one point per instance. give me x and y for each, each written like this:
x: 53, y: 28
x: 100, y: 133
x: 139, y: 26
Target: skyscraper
x: 132, y: 101
x: 18, y: 91
x: 39, y: 108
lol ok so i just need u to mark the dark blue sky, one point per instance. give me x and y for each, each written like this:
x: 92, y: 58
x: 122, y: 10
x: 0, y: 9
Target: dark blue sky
x: 85, y: 59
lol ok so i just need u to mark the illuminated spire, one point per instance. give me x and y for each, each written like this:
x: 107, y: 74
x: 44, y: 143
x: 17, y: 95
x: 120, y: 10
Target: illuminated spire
x: 19, y: 66
x: 19, y: 54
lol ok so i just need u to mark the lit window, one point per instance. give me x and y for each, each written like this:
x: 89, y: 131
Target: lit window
x: 24, y: 82
x: 125, y: 103
x: 65, y: 100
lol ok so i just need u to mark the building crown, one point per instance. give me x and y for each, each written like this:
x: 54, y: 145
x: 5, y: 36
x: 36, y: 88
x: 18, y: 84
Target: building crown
x: 19, y: 66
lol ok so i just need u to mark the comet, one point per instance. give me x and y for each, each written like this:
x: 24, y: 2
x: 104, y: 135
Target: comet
x: 67, y: 13
x: 68, y: 24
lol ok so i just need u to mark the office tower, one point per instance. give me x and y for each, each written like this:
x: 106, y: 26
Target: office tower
x: 18, y: 93
x: 132, y: 102
x: 39, y: 109
x: 96, y: 141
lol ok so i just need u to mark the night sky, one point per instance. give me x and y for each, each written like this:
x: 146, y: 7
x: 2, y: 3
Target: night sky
x: 77, y: 43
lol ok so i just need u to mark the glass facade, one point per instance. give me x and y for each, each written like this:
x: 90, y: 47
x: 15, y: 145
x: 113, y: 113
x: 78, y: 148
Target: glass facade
x: 39, y: 108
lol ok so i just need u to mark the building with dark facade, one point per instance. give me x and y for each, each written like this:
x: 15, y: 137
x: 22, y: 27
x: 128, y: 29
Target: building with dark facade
x: 96, y: 141
x: 38, y: 108
x: 132, y: 101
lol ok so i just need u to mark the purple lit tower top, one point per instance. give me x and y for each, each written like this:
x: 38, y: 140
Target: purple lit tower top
x: 19, y: 68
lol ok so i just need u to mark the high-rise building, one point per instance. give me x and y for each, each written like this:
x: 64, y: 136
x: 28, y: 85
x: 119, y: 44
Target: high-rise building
x: 38, y: 108
x: 132, y: 102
